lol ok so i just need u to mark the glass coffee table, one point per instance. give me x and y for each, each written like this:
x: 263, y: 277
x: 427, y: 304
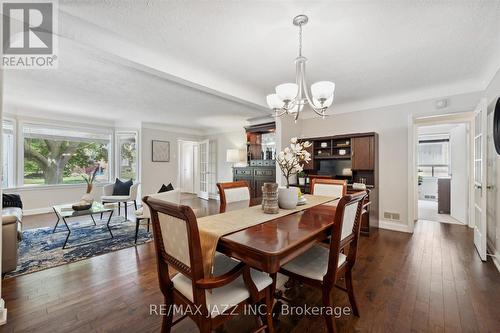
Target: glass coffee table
x: 65, y: 212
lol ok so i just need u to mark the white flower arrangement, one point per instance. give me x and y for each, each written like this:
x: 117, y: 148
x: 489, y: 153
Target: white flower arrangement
x: 291, y: 160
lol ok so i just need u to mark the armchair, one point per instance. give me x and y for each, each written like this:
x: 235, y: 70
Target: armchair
x: 108, y: 197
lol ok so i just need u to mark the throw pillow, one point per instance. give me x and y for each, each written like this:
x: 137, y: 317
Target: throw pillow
x: 167, y: 188
x: 122, y: 188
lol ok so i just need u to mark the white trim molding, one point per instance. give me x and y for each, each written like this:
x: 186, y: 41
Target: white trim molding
x: 394, y: 226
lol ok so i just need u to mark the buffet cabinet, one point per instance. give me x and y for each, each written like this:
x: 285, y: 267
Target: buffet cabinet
x: 256, y: 176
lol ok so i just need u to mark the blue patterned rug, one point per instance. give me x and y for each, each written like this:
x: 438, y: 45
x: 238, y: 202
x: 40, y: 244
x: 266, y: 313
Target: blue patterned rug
x: 41, y: 249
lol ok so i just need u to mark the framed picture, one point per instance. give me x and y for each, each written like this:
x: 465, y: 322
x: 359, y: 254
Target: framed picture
x: 160, y: 151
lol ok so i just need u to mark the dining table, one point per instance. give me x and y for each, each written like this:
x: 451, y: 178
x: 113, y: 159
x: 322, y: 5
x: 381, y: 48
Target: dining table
x: 270, y: 245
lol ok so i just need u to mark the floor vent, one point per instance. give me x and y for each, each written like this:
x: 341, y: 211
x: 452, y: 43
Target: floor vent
x: 391, y: 216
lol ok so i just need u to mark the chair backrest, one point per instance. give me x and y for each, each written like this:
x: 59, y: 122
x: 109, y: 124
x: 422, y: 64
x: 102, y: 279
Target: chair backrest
x: 345, y: 230
x: 133, y: 191
x: 177, y: 242
x: 173, y: 196
x: 231, y: 192
x: 329, y: 187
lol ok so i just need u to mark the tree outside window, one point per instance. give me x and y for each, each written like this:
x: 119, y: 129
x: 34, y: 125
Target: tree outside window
x: 54, y: 159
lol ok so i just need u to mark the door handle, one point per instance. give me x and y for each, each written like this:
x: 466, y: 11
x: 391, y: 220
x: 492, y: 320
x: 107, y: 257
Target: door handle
x: 490, y: 187
x: 478, y: 187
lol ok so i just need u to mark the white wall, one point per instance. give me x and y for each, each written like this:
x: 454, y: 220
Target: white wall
x: 154, y: 174
x: 392, y: 125
x: 225, y: 141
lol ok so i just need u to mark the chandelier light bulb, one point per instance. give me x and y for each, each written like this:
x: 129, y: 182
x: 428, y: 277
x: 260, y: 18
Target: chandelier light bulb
x: 287, y: 91
x: 323, y: 90
x: 274, y: 102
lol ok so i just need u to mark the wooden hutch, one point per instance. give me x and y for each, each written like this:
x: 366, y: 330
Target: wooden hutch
x: 353, y: 157
x: 261, y: 151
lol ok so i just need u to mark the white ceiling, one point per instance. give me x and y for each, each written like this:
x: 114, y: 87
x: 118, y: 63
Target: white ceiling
x: 210, y: 64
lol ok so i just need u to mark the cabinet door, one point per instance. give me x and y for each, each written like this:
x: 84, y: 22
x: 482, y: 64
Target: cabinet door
x: 310, y: 165
x: 363, y: 153
x: 258, y: 186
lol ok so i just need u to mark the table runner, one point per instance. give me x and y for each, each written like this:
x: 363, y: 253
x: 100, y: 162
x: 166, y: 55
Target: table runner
x: 213, y: 227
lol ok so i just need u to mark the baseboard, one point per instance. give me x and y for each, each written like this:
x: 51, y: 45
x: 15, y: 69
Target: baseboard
x: 36, y: 211
x: 394, y: 226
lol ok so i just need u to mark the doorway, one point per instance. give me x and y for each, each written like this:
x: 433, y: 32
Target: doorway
x: 188, y: 166
x: 443, y: 172
x: 439, y: 128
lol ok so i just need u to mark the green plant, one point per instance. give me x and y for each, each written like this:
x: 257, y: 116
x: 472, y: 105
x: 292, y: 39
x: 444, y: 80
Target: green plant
x: 301, y: 174
x: 89, y: 179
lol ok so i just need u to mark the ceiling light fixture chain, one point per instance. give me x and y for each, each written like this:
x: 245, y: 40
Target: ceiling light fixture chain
x: 290, y: 98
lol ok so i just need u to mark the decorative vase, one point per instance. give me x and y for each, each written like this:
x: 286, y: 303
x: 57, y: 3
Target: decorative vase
x: 302, y: 181
x: 270, y: 198
x: 88, y: 197
x: 288, y: 197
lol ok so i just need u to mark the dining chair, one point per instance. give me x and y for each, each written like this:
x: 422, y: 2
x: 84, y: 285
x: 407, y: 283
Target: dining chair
x: 329, y: 187
x: 234, y: 195
x: 232, y: 286
x: 322, y: 265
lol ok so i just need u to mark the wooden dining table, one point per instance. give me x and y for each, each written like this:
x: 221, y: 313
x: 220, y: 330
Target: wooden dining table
x: 270, y: 245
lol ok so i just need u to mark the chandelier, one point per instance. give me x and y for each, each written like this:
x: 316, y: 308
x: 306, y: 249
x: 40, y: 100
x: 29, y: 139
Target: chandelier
x: 290, y: 98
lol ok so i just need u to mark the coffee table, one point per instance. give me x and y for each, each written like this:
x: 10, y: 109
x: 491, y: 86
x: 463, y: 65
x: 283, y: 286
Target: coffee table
x: 65, y: 212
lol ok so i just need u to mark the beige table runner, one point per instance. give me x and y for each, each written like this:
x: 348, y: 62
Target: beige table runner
x: 213, y: 227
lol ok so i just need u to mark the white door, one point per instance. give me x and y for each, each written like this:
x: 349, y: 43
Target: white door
x: 491, y: 184
x: 204, y: 156
x: 187, y: 167
x: 480, y: 179
x: 459, y: 173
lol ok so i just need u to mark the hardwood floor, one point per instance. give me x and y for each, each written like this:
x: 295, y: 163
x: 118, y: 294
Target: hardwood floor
x: 431, y: 281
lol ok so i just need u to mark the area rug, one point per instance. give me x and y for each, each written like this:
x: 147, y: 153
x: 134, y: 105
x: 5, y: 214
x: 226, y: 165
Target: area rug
x: 41, y: 248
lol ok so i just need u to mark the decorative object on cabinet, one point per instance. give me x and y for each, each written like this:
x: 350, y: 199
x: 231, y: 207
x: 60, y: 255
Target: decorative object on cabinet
x: 235, y: 156
x: 160, y: 151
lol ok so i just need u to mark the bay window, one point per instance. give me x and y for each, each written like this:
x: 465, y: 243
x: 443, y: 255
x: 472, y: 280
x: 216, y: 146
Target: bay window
x: 126, y: 143
x: 59, y: 155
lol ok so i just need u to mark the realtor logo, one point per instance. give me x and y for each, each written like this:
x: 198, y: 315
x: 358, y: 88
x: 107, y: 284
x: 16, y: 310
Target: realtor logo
x: 29, y: 35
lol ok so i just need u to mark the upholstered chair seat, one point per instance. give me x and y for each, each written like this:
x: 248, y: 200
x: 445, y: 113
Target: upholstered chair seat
x: 223, y: 298
x: 313, y: 263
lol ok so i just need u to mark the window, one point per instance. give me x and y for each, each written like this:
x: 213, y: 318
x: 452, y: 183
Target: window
x: 127, y: 155
x: 56, y: 155
x: 8, y: 153
x: 434, y: 158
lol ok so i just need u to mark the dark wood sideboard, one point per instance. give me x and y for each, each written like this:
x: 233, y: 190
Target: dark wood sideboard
x: 353, y: 157
x: 256, y: 176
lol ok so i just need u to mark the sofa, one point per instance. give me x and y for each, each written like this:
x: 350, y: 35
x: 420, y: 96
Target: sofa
x: 11, y: 235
